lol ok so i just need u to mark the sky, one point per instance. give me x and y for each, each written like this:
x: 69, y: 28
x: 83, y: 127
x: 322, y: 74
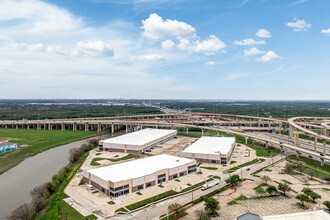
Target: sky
x: 165, y: 49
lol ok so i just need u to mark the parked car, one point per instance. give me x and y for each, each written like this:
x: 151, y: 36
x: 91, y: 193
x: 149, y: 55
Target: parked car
x: 148, y: 150
x: 89, y: 187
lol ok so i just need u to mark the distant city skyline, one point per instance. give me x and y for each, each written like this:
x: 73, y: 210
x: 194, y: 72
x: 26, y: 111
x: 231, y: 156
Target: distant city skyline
x: 162, y: 49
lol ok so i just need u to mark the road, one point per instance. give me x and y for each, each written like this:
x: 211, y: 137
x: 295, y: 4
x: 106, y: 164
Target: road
x: 303, y: 143
x: 155, y: 211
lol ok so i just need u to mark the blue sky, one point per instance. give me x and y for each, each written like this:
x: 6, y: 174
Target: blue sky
x: 193, y: 49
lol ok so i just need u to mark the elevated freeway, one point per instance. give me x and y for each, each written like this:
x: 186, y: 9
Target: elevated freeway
x: 169, y: 121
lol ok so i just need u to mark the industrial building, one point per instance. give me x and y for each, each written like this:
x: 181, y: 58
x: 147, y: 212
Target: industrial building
x: 211, y: 150
x: 137, y: 142
x: 123, y: 178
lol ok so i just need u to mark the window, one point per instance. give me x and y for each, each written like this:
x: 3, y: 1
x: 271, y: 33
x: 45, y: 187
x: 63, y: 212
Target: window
x: 162, y: 178
x: 119, y: 191
x: 175, y: 176
x: 192, y: 168
x: 148, y: 185
x: 214, y: 161
x: 140, y: 187
x: 182, y: 174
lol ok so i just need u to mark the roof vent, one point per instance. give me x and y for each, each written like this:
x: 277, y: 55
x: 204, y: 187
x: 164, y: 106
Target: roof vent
x: 177, y: 160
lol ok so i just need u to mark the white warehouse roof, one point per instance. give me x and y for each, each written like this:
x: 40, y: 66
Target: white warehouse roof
x: 140, y: 137
x: 211, y: 145
x: 138, y: 168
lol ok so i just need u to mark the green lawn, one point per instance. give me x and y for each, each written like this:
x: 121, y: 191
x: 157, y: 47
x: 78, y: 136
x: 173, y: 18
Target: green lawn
x: 210, y: 168
x: 264, y: 152
x: 288, y: 182
x: 127, y: 157
x: 149, y: 200
x: 36, y: 141
x: 233, y: 169
x: 233, y: 202
x: 311, y: 162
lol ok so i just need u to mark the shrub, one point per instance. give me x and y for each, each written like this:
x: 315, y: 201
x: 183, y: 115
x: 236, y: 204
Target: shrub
x: 51, y: 188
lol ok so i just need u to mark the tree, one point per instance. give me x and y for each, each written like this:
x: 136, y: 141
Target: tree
x: 51, y: 188
x: 233, y: 180
x: 211, y: 206
x: 93, y: 142
x: 38, y: 203
x: 176, y: 209
x: 283, y: 187
x: 307, y: 191
x: 311, y: 174
x: 300, y: 167
x: 265, y: 179
x: 23, y: 212
x: 271, y: 190
x: 200, y: 214
x: 288, y: 167
x: 303, y: 198
x: 327, y: 204
x: 260, y: 191
x: 39, y: 191
x: 314, y: 195
x: 56, y: 180
x: 74, y: 154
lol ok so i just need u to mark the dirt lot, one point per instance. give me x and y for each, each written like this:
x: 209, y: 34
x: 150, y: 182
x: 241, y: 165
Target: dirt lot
x: 173, y: 146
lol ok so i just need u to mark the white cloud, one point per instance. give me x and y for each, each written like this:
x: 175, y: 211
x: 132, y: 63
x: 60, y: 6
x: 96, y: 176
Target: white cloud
x: 269, y: 56
x: 38, y: 16
x: 148, y: 57
x: 252, y: 51
x: 209, y: 46
x: 233, y: 76
x: 263, y: 33
x: 210, y: 63
x: 299, y: 25
x: 93, y: 48
x: 156, y: 28
x: 248, y: 42
x: 326, y: 31
x: 167, y: 44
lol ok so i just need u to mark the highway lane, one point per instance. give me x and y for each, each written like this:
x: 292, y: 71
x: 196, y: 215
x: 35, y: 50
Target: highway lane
x: 307, y: 144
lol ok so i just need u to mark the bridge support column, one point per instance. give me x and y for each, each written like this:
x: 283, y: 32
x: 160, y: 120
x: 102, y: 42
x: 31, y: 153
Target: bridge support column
x: 297, y: 154
x: 218, y: 133
x: 62, y: 126
x: 99, y: 127
x: 45, y: 126
x: 324, y: 147
x: 322, y: 162
x: 187, y: 130
x: 315, y: 144
x: 126, y: 128
x: 74, y: 126
x: 202, y: 132
x: 28, y: 127
x: 16, y: 126
x: 266, y: 144
x: 280, y: 127
x: 86, y: 126
x: 112, y: 128
x: 246, y: 140
x: 6, y: 126
x: 50, y: 126
x: 38, y: 126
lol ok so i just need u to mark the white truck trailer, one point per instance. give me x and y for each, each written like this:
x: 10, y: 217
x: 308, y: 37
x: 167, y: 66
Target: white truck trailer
x: 210, y: 184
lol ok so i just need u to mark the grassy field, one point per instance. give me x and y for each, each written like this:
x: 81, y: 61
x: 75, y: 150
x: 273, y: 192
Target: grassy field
x: 264, y: 152
x: 313, y: 165
x: 36, y: 141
